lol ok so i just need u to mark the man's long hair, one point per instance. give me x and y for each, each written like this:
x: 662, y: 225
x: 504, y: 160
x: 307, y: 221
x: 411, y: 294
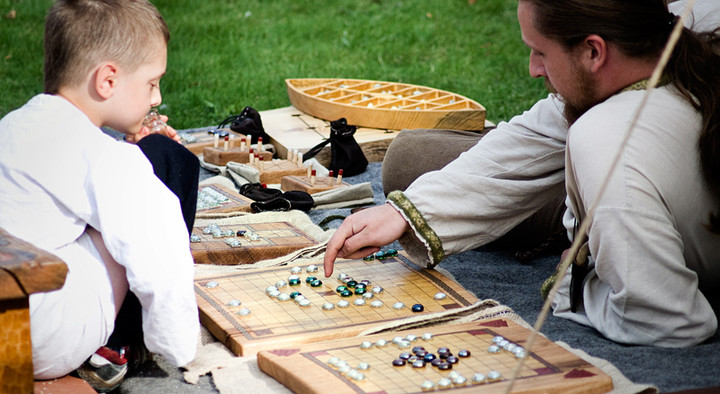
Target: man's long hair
x: 640, y: 29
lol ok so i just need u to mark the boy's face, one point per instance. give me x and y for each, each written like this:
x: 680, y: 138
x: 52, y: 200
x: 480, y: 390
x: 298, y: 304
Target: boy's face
x: 136, y: 92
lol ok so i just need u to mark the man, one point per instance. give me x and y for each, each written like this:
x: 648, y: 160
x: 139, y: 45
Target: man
x: 654, y: 249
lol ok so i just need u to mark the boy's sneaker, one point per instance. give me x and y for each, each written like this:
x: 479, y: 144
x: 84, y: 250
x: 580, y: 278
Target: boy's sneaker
x: 105, y: 370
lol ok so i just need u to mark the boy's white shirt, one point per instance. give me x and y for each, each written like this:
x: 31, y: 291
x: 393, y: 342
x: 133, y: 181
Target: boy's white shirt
x: 60, y: 173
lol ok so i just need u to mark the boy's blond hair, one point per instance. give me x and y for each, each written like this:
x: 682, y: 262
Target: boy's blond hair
x: 79, y: 34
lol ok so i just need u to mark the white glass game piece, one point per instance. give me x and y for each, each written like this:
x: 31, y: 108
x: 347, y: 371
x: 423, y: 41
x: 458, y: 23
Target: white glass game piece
x: 295, y: 270
x: 478, y: 378
x: 444, y: 383
x: 520, y: 353
x: 211, y: 284
x: 195, y: 238
x: 328, y: 306
x: 366, y: 345
x: 376, y: 304
x: 304, y: 302
x: 228, y: 233
x: 398, y: 305
x: 243, y: 312
x: 342, y: 363
x: 234, y: 303
x: 342, y: 276
x: 343, y: 304
x: 293, y: 277
x: 377, y: 290
x: 397, y: 339
x: 493, y: 349
x: 299, y: 298
x: 497, y: 339
x: 510, y: 347
x: 333, y: 361
x: 344, y: 369
x: 503, y: 343
x: 284, y: 297
x: 311, y: 268
x: 381, y: 343
x: 459, y: 380
x: 363, y: 366
x: 453, y: 374
x: 359, y: 301
x: 217, y: 233
x: 427, y: 336
x: 275, y: 294
x: 280, y: 284
x: 270, y: 289
x: 403, y: 344
x: 439, y: 296
x: 411, y: 337
x: 368, y: 296
x: 427, y: 385
x: 493, y: 375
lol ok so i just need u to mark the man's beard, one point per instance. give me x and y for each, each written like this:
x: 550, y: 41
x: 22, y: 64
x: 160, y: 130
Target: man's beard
x: 585, y: 89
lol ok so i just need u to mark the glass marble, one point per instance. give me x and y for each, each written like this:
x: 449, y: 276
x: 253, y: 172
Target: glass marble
x: 234, y: 303
x: 211, y: 284
x: 377, y: 290
x: 310, y: 279
x: 243, y: 312
x: 311, y: 268
x: 427, y: 385
x: 398, y: 362
x: 328, y: 306
x: 439, y: 296
x: 398, y: 305
x: 283, y: 297
x: 478, y: 378
x: 381, y: 343
x: 427, y: 336
x: 340, y: 289
x: 296, y: 270
x: 316, y: 283
x: 464, y: 353
x: 444, y: 383
x: 359, y: 302
x: 195, y: 238
x: 343, y: 304
x: 418, y: 308
x: 493, y: 375
x: 376, y: 304
x: 366, y: 345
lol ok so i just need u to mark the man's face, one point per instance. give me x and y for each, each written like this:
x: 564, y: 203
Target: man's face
x: 562, y: 72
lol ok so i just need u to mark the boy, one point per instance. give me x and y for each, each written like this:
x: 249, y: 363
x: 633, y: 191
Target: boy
x: 67, y: 187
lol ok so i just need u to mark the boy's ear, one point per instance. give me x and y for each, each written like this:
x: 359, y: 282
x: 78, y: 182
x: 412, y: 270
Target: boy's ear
x: 106, y: 79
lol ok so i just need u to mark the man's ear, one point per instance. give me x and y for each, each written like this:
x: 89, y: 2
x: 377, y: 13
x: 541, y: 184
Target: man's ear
x: 595, y: 52
x: 106, y: 79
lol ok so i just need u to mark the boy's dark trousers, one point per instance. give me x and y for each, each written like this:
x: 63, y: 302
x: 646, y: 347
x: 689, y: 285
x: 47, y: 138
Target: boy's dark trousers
x: 178, y: 169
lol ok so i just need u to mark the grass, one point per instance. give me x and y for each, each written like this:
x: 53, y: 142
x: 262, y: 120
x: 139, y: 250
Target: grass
x: 226, y: 54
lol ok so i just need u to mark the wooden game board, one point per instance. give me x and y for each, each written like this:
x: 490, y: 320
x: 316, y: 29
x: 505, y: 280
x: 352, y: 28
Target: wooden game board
x: 273, y: 323
x: 204, y: 140
x: 385, y: 105
x: 302, y: 183
x: 548, y: 368
x: 220, y: 156
x: 221, y: 200
x: 275, y: 240
x: 273, y: 171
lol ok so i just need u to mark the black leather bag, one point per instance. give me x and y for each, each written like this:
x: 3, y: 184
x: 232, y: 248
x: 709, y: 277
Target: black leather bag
x: 248, y: 122
x: 346, y: 154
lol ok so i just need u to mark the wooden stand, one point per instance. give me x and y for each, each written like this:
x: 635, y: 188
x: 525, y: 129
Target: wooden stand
x: 24, y: 270
x: 272, y: 171
x: 220, y: 156
x: 303, y: 183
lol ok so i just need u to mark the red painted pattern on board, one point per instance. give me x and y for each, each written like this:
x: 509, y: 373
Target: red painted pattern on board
x: 578, y: 373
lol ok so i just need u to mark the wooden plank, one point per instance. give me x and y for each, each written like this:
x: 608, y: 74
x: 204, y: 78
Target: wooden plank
x: 273, y: 323
x: 303, y: 183
x: 290, y: 128
x: 275, y: 239
x: 548, y: 369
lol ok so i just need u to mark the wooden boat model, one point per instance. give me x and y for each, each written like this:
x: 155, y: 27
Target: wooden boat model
x: 385, y: 105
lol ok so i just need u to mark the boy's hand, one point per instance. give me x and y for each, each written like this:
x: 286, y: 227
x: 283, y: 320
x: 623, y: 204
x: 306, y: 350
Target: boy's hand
x: 363, y: 233
x: 163, y: 129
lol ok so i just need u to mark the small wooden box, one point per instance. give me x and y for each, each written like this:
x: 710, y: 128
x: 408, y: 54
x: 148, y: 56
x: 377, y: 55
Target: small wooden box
x: 272, y: 171
x: 220, y: 156
x: 303, y: 183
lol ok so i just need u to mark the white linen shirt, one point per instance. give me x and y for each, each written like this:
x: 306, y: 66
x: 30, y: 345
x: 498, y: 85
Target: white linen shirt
x: 60, y: 173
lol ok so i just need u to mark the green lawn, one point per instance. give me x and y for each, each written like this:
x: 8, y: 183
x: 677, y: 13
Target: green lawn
x: 227, y: 54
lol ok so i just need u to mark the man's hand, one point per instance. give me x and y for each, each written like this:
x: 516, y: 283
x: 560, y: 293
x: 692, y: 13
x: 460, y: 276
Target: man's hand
x: 363, y: 233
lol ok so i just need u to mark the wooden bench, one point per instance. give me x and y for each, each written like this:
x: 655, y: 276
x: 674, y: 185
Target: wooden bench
x: 24, y: 270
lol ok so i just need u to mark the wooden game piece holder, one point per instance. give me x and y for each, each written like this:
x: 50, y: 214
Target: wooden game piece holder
x: 303, y: 183
x: 272, y: 171
x: 219, y: 156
